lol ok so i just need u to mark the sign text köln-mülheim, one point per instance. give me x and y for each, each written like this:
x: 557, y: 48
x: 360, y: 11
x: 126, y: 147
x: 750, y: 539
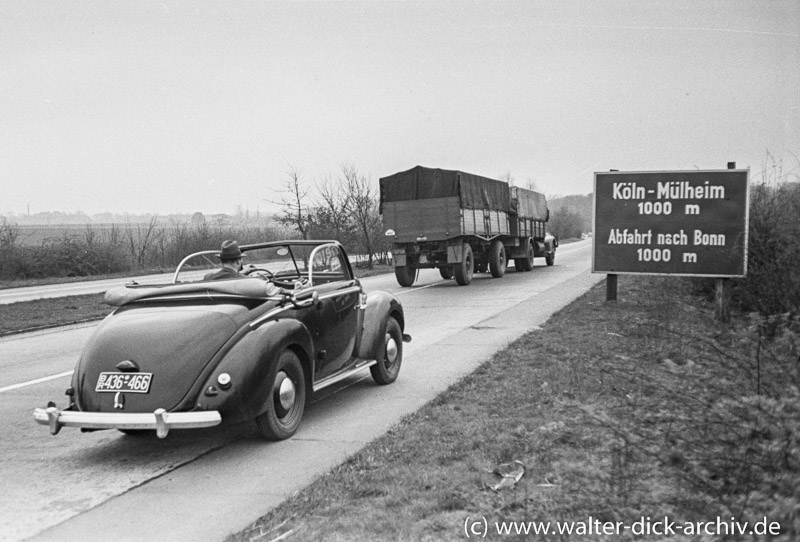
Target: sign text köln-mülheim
x: 690, y: 223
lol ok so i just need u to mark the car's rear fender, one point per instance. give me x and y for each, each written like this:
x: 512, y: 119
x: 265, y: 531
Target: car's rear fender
x: 248, y: 363
x: 379, y: 307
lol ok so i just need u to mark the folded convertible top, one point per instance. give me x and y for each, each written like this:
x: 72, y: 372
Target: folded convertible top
x: 246, y: 287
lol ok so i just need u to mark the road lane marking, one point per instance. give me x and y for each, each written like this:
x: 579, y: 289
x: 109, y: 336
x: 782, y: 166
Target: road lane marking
x: 408, y: 291
x: 37, y: 381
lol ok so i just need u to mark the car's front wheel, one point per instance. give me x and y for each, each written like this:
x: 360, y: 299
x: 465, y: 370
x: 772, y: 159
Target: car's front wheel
x: 387, y: 369
x: 287, y: 399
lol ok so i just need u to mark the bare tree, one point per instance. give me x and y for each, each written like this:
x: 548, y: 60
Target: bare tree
x: 531, y: 184
x: 507, y: 177
x: 140, y: 240
x: 293, y: 202
x: 332, y: 216
x: 9, y: 233
x: 362, y: 198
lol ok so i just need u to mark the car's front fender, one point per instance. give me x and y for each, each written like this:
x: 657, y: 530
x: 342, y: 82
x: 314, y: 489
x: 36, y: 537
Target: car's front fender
x: 248, y: 363
x: 550, y: 242
x: 379, y: 307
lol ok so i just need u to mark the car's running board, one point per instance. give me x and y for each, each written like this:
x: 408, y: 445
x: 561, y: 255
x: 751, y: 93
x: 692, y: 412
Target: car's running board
x: 338, y: 377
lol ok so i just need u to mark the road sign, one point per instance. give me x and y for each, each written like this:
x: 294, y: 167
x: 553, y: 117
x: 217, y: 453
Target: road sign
x: 685, y: 223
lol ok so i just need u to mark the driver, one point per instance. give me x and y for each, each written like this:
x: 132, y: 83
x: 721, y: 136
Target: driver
x: 230, y: 258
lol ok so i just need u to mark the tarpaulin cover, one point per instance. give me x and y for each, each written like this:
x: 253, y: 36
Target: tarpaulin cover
x: 473, y: 191
x: 528, y: 204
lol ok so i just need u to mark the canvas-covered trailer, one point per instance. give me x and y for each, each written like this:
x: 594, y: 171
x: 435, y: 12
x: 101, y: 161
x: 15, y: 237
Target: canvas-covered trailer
x: 459, y: 222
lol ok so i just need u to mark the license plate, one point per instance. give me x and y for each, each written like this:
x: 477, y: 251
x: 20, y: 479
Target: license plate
x: 127, y: 382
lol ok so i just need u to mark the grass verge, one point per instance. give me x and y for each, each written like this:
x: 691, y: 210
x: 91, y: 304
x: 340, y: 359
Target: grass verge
x: 643, y: 408
x: 44, y: 313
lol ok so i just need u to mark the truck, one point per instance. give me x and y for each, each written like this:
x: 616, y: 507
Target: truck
x: 460, y: 224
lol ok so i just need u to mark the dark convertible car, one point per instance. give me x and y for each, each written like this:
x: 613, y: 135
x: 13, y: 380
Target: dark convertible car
x: 196, y: 352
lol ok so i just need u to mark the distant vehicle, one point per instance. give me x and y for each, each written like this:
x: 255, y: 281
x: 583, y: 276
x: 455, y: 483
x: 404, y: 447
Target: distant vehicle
x: 461, y: 223
x: 197, y: 353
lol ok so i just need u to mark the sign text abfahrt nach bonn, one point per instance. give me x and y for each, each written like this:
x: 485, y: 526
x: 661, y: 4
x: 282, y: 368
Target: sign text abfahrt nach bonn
x: 690, y: 223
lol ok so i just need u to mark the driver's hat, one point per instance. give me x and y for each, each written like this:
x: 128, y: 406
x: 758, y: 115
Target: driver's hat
x: 229, y: 251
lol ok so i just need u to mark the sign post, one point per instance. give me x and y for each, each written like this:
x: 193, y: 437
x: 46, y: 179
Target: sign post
x: 682, y: 223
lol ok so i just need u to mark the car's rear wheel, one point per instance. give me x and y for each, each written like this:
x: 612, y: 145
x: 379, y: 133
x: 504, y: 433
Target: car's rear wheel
x: 387, y: 369
x: 287, y: 399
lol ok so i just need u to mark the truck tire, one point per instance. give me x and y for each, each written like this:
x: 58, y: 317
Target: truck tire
x: 464, y: 270
x: 526, y: 263
x: 405, y: 275
x: 550, y: 259
x: 446, y: 272
x: 497, y: 259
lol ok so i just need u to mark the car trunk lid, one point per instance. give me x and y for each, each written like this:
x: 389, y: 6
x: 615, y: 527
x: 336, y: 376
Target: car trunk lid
x: 173, y: 344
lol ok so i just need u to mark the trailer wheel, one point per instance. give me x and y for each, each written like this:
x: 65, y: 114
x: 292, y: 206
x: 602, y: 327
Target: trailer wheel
x: 446, y: 272
x: 497, y: 259
x: 464, y: 270
x: 550, y: 259
x: 526, y: 263
x: 405, y: 275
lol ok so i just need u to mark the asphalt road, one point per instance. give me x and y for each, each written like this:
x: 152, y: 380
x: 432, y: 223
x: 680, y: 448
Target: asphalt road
x: 206, y: 484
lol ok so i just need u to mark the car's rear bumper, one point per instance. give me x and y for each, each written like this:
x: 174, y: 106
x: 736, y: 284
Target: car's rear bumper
x: 160, y: 420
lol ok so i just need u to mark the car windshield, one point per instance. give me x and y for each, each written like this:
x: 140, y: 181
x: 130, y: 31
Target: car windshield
x: 284, y: 262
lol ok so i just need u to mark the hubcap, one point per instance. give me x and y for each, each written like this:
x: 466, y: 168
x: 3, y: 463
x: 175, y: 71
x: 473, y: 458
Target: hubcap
x: 391, y: 350
x: 286, y: 391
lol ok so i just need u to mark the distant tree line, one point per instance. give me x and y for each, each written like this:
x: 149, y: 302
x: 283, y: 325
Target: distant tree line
x: 117, y: 248
x: 342, y: 208
x: 570, y: 216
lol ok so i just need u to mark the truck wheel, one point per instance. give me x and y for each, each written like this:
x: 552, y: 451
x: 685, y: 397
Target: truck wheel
x: 550, y: 258
x: 386, y: 370
x: 497, y: 259
x: 464, y: 270
x: 446, y: 272
x: 405, y: 275
x: 526, y: 263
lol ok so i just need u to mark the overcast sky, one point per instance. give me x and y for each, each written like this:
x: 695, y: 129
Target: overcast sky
x: 163, y: 107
